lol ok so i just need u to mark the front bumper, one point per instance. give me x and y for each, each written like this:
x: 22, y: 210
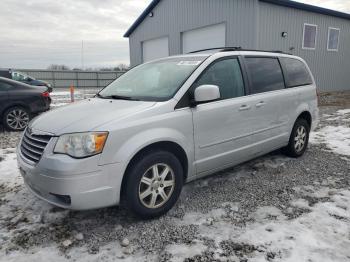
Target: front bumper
x: 77, y: 184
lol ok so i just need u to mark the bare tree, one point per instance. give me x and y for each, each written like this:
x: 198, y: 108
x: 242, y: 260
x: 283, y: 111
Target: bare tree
x: 58, y: 67
x: 121, y: 67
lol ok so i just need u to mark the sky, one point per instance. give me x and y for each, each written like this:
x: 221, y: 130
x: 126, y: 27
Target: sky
x: 37, y: 33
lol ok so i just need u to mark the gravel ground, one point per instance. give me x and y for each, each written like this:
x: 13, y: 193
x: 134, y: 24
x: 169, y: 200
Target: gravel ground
x: 232, y: 197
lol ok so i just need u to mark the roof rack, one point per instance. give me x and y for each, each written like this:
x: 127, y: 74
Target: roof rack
x: 235, y: 48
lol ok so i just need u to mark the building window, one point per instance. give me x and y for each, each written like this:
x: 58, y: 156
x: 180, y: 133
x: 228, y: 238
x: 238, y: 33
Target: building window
x: 310, y: 36
x: 333, y: 39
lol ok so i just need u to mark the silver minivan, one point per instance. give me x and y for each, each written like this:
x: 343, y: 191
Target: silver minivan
x: 165, y: 123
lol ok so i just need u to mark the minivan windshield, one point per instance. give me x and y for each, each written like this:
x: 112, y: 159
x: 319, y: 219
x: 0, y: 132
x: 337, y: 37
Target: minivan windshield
x: 154, y: 81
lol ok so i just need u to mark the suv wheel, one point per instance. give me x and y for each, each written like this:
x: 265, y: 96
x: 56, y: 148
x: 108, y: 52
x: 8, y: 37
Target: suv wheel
x: 16, y: 118
x: 299, y: 139
x: 153, y: 184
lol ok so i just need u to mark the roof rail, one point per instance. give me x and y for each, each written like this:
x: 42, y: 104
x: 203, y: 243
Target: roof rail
x: 236, y: 48
x: 220, y: 49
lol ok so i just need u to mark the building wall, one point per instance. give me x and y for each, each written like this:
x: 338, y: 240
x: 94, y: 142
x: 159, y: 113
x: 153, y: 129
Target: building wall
x: 331, y: 69
x: 252, y: 24
x: 171, y: 17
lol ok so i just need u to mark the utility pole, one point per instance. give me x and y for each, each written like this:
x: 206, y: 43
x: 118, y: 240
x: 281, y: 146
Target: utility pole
x: 82, y: 54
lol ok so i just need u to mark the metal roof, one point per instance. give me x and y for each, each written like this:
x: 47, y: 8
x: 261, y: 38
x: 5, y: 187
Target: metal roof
x: 307, y: 7
x: 286, y: 3
x: 144, y: 14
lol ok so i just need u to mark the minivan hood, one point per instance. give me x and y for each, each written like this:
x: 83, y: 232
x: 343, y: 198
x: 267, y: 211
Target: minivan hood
x: 86, y: 115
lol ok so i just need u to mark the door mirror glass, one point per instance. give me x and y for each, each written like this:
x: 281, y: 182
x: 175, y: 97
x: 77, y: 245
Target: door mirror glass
x: 206, y: 93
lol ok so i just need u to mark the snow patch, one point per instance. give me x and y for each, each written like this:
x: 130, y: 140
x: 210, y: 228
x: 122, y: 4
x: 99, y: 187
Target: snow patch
x: 320, y: 235
x: 343, y: 112
x: 181, y: 251
x: 9, y: 174
x: 336, y: 138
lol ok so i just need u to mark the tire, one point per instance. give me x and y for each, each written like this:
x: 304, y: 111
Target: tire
x: 16, y: 118
x: 147, y: 197
x: 299, y: 139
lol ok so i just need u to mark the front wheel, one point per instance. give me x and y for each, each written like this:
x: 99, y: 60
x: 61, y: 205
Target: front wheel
x: 153, y: 184
x: 16, y: 118
x: 299, y: 139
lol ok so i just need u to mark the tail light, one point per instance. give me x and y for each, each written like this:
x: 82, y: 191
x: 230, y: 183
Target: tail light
x: 45, y: 94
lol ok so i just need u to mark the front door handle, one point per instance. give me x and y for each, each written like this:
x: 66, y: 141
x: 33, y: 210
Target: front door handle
x: 260, y: 104
x: 244, y: 108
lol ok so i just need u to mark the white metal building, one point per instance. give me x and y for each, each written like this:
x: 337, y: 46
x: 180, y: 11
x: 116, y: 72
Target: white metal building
x: 320, y: 36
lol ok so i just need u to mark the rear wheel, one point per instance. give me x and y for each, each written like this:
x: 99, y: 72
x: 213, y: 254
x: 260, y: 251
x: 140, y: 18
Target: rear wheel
x: 16, y: 118
x: 153, y: 184
x: 299, y: 139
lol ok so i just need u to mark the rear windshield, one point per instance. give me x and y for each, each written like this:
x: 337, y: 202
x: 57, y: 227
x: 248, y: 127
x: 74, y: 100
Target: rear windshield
x: 296, y: 72
x: 155, y: 81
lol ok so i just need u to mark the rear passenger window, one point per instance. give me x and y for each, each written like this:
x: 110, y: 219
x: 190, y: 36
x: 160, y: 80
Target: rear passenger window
x: 227, y: 75
x: 265, y: 74
x: 296, y: 73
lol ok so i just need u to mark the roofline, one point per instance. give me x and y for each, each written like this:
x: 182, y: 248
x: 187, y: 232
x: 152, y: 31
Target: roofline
x: 309, y: 8
x: 142, y: 17
x: 286, y: 3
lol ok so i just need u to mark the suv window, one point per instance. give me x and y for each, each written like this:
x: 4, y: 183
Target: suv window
x: 227, y: 75
x: 296, y: 72
x: 265, y: 74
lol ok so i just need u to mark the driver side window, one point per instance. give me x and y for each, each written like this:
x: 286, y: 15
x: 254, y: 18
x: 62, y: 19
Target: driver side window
x: 227, y: 75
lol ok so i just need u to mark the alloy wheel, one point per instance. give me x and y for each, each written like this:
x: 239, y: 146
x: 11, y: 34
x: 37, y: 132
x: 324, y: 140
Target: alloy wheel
x: 156, y: 186
x: 17, y: 119
x: 300, y: 139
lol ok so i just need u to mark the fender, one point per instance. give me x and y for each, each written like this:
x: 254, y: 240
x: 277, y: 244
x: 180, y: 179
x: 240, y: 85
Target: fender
x: 141, y: 140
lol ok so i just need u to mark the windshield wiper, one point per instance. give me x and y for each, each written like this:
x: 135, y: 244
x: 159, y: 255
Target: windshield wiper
x: 117, y: 97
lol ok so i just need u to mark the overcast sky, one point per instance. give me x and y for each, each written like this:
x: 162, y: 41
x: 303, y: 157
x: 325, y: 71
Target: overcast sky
x: 37, y: 33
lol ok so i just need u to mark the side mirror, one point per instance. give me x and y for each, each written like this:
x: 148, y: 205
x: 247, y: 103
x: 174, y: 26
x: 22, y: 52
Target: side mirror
x: 206, y: 93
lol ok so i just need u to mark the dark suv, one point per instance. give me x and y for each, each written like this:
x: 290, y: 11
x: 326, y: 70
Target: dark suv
x: 21, y: 77
x: 19, y: 102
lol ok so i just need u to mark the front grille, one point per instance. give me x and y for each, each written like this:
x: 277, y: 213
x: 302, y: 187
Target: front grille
x: 33, y: 146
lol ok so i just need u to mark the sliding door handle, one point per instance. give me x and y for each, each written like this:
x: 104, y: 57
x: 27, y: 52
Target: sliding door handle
x: 260, y: 104
x: 245, y: 108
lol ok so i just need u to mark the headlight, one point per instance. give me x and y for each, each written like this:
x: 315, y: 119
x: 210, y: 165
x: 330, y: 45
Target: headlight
x: 80, y: 145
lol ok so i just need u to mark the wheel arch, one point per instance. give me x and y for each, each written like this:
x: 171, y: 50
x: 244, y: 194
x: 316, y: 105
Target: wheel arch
x: 169, y: 146
x: 307, y: 116
x: 12, y: 106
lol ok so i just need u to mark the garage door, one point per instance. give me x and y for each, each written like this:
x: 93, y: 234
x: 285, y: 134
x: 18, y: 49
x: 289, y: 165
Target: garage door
x: 202, y: 38
x: 155, y: 48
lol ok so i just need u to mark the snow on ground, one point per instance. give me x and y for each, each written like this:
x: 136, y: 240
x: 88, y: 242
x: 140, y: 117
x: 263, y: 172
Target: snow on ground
x: 321, y: 234
x: 9, y: 176
x: 336, y: 138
